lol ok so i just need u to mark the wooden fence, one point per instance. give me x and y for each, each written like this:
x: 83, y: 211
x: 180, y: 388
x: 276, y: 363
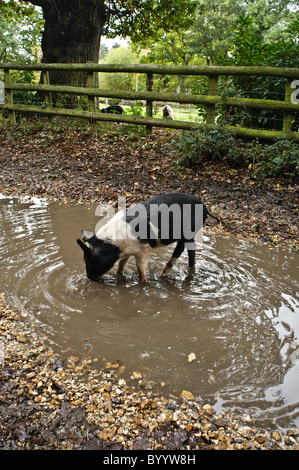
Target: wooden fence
x: 209, y: 101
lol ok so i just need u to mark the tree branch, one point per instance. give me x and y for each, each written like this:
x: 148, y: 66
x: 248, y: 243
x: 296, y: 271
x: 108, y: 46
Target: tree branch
x: 38, y: 3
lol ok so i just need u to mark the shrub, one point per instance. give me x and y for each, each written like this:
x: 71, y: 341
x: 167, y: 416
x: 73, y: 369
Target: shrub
x: 204, y: 143
x: 280, y: 159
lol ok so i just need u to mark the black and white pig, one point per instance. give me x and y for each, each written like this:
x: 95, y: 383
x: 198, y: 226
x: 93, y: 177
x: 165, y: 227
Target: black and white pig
x: 167, y: 111
x: 159, y: 221
x: 113, y: 109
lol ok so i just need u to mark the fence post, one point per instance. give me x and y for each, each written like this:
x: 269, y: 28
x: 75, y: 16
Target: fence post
x: 149, y: 103
x: 212, y: 91
x: 48, y: 94
x: 288, y: 117
x: 9, y: 96
x: 91, y: 101
x: 90, y: 83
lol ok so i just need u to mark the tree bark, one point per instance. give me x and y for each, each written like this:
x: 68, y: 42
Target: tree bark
x: 72, y: 34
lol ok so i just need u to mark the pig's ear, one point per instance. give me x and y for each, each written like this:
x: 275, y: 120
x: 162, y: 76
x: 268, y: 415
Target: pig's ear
x: 85, y: 247
x: 87, y: 235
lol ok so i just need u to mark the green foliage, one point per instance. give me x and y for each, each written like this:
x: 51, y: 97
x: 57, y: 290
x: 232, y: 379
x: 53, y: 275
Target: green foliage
x: 8, y: 42
x: 293, y: 28
x: 25, y: 97
x: 212, y: 31
x: 137, y: 108
x: 141, y: 20
x: 276, y: 160
x: 270, y: 18
x: 206, y: 144
x: 172, y: 48
x: 121, y: 81
x: 20, y: 31
x: 280, y: 159
x: 249, y: 49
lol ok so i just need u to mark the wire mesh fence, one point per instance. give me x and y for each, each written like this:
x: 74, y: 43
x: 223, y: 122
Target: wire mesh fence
x: 246, y: 98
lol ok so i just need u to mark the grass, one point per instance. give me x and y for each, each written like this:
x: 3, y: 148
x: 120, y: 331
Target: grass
x: 181, y: 113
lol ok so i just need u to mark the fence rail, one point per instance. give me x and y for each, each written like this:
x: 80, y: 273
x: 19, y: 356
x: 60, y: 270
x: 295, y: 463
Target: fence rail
x: 209, y: 101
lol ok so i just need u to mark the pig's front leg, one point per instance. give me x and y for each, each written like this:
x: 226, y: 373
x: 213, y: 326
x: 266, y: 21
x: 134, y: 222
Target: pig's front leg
x: 175, y: 255
x: 168, y: 266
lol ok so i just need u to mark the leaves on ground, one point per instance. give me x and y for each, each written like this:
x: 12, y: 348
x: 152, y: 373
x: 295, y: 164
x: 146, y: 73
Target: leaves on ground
x: 71, y: 164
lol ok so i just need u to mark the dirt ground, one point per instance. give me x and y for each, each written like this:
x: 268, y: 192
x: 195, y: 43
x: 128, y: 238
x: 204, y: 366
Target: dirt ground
x: 85, y: 167
x: 48, y: 404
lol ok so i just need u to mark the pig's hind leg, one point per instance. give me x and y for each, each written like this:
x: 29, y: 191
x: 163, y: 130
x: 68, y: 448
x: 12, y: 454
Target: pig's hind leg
x: 191, y: 246
x: 121, y: 265
x: 141, y: 263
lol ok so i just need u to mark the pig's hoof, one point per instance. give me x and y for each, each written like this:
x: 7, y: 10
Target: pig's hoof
x: 119, y: 272
x: 165, y: 270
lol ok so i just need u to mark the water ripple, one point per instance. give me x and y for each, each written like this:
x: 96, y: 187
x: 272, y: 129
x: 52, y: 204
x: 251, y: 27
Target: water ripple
x: 238, y: 312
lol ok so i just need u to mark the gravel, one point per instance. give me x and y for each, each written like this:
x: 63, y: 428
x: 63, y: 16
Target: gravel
x: 47, y: 402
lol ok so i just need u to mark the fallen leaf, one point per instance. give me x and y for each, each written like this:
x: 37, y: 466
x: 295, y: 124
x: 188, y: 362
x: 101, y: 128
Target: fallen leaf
x: 106, y: 433
x: 187, y: 395
x: 191, y: 357
x: 208, y: 409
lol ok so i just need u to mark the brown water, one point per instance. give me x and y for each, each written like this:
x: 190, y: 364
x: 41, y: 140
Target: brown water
x: 238, y: 313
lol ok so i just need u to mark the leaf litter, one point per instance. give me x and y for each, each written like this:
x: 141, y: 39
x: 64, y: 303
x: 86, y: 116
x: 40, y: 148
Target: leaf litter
x: 69, y: 164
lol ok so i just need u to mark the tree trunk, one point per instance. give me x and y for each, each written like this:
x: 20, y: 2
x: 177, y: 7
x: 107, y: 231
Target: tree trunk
x: 72, y: 34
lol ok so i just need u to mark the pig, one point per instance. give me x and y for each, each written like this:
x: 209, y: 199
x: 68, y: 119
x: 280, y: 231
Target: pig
x: 113, y: 109
x: 159, y: 221
x: 167, y: 112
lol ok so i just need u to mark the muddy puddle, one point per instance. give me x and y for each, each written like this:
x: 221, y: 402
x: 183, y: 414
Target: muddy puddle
x: 229, y: 333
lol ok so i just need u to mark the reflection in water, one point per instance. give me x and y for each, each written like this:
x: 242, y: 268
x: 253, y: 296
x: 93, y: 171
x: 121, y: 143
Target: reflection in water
x: 238, y: 313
